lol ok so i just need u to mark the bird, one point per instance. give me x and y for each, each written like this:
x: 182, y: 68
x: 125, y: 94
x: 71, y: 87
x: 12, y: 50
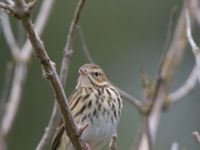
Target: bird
x: 97, y: 103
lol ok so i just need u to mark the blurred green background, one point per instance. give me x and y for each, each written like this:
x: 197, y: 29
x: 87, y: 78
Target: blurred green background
x: 123, y: 36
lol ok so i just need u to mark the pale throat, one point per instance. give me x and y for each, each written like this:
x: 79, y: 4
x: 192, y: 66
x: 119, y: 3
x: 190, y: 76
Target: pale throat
x: 83, y: 81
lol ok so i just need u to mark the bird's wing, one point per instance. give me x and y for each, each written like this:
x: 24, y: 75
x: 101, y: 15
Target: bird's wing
x: 61, y: 129
x: 56, y: 140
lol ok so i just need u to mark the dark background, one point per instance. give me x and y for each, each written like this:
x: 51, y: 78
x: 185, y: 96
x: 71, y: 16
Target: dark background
x: 124, y: 36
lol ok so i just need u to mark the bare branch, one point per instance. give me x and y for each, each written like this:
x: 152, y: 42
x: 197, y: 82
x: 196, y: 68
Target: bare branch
x: 14, y: 99
x: 170, y: 61
x: 195, y: 48
x: 148, y: 132
x: 6, y: 7
x: 196, y: 136
x: 10, y: 2
x: 50, y: 129
x: 6, y: 86
x: 9, y: 36
x: 84, y: 45
x: 31, y: 4
x: 55, y: 116
x: 21, y: 66
x: 172, y: 17
x: 52, y: 76
x: 195, y: 9
x: 20, y: 4
x: 134, y: 101
x: 40, y: 23
x: 185, y: 88
x: 68, y: 47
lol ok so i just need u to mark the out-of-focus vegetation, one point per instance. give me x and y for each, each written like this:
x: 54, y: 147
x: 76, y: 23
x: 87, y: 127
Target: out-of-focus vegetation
x: 124, y: 37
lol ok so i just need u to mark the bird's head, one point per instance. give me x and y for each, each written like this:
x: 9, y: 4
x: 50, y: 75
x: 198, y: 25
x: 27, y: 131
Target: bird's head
x: 91, y: 75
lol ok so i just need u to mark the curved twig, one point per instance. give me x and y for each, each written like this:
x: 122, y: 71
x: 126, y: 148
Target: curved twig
x: 55, y: 116
x: 86, y: 51
x: 9, y: 36
x: 184, y: 89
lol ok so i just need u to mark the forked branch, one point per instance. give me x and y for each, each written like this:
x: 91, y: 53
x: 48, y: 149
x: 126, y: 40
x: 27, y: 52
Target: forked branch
x: 55, y: 116
x: 20, y: 11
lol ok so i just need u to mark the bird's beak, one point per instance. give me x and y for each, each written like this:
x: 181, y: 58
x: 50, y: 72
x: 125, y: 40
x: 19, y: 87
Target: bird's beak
x: 82, y: 71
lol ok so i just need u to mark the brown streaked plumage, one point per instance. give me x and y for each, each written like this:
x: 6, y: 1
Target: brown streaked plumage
x: 96, y: 102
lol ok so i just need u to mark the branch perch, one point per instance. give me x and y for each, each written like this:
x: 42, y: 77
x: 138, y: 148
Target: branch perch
x: 53, y: 78
x: 21, y: 57
x: 21, y: 13
x: 134, y: 101
x: 170, y: 61
x: 55, y: 116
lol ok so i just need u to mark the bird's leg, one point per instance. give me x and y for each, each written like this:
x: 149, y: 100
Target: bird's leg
x: 113, y: 142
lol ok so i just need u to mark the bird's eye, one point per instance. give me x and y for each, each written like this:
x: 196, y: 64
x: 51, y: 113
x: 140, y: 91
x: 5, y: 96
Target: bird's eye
x: 96, y: 74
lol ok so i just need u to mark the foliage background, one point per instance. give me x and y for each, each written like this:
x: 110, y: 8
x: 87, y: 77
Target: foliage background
x: 123, y: 37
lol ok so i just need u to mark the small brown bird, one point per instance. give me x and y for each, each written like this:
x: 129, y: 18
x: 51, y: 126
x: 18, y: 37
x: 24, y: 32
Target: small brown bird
x: 94, y: 101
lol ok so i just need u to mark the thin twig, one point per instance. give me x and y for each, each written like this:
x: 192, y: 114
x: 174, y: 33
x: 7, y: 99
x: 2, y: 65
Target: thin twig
x: 6, y: 7
x: 40, y: 23
x: 196, y: 136
x: 9, y: 36
x: 52, y: 76
x: 195, y: 9
x: 184, y: 89
x: 55, y: 116
x: 6, y: 86
x: 134, y: 101
x: 84, y: 45
x: 22, y: 61
x: 50, y: 129
x: 167, y: 67
x: 170, y: 61
x: 31, y: 4
x: 194, y: 47
x: 14, y: 99
x: 68, y: 50
x: 171, y: 23
x: 148, y: 133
